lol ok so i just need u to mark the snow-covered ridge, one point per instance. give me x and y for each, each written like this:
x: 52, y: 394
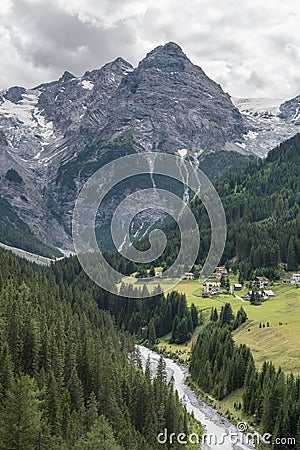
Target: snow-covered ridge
x: 23, y: 110
x: 258, y: 106
x: 27, y: 113
x: 266, y: 123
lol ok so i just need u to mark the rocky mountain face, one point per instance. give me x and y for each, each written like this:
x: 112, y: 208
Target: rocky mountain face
x: 290, y: 111
x: 41, y: 128
x: 269, y: 122
x: 56, y: 135
x: 167, y: 103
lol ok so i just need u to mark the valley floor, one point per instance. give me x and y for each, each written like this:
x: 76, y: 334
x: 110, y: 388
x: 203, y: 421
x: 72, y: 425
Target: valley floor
x: 276, y: 339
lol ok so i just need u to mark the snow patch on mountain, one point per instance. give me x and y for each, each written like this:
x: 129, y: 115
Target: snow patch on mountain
x: 87, y: 84
x: 258, y: 106
x: 22, y: 111
x: 266, y: 124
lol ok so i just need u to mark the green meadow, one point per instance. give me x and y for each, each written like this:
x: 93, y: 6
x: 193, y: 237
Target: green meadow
x: 272, y: 330
x: 278, y: 338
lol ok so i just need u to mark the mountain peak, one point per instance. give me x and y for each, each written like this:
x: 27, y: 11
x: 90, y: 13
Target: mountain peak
x: 168, y: 49
x: 167, y: 57
x: 66, y: 76
x: 172, y: 47
x: 121, y: 61
x: 119, y: 64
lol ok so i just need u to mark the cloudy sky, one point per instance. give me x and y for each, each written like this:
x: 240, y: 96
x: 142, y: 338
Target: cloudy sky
x: 251, y: 47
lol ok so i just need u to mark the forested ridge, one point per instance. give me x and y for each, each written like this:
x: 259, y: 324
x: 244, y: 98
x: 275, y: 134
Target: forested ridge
x: 147, y: 318
x: 68, y: 378
x: 262, y: 206
x: 271, y: 398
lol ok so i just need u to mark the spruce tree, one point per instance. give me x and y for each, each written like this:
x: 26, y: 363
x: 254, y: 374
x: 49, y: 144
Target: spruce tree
x: 214, y: 315
x: 194, y: 314
x: 152, y: 333
x: 101, y: 436
x: 21, y: 415
x: 291, y: 255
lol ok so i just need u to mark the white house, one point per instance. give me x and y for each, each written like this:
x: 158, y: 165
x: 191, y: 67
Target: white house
x: 268, y: 293
x: 261, y: 282
x: 295, y: 279
x: 213, y: 287
x: 238, y: 286
x: 188, y: 276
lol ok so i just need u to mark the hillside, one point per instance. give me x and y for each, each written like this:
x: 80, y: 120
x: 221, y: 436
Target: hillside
x: 68, y: 378
x: 16, y: 233
x: 262, y: 206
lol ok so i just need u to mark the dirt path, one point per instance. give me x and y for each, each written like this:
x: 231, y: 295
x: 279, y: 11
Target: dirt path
x: 240, y: 298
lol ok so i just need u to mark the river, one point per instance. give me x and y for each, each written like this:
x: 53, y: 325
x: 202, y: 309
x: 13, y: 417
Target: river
x: 220, y: 433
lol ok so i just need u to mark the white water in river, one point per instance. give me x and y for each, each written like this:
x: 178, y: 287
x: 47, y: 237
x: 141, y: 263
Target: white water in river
x: 221, y: 434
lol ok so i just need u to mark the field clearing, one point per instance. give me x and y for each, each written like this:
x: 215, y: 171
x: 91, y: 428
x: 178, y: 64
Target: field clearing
x: 167, y: 284
x: 182, y: 351
x: 278, y: 338
x: 277, y: 343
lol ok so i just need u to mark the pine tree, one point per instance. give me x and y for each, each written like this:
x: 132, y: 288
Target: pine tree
x: 222, y: 281
x: 226, y: 316
x: 182, y: 333
x: 92, y: 411
x: 152, y: 333
x: 214, y: 315
x: 21, y: 416
x: 201, y: 318
x: 253, y: 297
x: 6, y: 372
x: 101, y: 437
x: 152, y: 272
x: 194, y: 314
x: 291, y: 255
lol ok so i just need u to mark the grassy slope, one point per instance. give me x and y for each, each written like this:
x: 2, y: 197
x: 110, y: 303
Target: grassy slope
x: 278, y: 343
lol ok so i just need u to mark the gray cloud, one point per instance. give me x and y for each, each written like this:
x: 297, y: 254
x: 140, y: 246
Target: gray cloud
x: 251, y: 48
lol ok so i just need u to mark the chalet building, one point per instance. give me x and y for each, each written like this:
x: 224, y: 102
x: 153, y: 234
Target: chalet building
x: 295, y: 278
x: 237, y: 286
x: 268, y: 293
x: 261, y: 282
x: 188, y: 276
x: 221, y: 272
x: 212, y: 287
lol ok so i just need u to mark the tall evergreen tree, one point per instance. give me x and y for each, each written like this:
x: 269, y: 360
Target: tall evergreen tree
x: 21, y: 416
